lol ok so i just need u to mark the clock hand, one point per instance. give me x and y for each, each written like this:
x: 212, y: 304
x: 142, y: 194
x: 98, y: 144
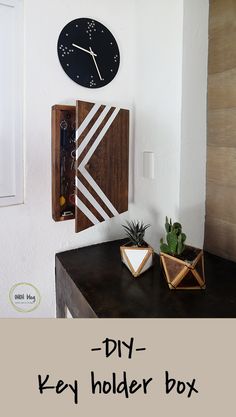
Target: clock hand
x: 85, y: 50
x: 95, y: 63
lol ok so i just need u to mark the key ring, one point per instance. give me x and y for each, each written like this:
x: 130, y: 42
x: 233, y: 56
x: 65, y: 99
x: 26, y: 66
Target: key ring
x: 72, y: 198
x: 63, y: 125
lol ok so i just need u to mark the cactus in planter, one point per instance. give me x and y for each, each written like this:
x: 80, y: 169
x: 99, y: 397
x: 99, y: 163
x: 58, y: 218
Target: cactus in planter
x: 175, y: 239
x: 135, y: 230
x: 183, y: 266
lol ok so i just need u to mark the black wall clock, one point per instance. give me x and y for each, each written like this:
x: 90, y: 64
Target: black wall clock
x: 88, y: 53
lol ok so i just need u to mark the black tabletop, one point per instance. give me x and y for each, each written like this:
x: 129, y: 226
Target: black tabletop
x: 113, y: 292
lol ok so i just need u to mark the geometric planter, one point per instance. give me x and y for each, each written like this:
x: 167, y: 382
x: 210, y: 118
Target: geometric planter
x: 137, y: 259
x: 185, y: 272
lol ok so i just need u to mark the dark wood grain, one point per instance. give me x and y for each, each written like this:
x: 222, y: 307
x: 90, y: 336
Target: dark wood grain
x: 108, y: 166
x: 111, y: 161
x: 93, y: 282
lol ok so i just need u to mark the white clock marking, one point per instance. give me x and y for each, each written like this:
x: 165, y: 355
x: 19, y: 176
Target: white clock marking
x: 92, y: 83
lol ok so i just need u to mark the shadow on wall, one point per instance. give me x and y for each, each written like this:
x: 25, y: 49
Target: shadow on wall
x: 192, y: 220
x: 152, y: 217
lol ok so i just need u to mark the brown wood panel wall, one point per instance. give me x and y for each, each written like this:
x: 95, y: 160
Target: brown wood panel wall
x: 220, y: 228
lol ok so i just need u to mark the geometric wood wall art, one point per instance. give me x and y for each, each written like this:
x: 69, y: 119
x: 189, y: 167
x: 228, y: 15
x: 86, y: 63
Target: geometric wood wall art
x: 102, y: 155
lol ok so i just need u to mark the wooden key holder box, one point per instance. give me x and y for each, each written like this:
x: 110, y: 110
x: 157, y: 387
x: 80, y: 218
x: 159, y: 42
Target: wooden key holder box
x: 90, y: 161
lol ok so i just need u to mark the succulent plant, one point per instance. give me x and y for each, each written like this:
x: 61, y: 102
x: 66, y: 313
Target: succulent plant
x: 135, y: 230
x: 174, y: 237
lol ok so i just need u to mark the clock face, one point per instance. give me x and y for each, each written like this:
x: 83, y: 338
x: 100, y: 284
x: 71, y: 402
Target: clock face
x: 88, y: 53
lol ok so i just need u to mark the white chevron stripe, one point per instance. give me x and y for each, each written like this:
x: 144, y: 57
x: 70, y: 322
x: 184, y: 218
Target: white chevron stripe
x: 81, y: 206
x: 90, y: 134
x: 99, y: 138
x: 85, y: 173
x: 86, y: 121
x: 91, y: 199
x: 99, y: 192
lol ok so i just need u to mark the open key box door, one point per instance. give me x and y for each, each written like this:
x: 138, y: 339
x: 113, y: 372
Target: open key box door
x: 101, y: 164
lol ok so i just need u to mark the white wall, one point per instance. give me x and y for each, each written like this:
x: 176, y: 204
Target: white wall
x: 194, y: 115
x: 154, y: 68
x: 170, y: 115
x: 29, y: 236
x: 158, y: 92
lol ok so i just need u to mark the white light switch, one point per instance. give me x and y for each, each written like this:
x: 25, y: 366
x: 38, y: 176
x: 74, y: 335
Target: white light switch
x: 148, y: 165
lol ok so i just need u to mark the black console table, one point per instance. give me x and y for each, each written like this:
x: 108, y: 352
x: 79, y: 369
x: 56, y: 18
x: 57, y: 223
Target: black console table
x: 92, y: 282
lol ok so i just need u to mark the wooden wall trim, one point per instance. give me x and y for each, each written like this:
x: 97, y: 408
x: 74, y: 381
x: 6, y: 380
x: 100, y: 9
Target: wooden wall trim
x: 220, y: 226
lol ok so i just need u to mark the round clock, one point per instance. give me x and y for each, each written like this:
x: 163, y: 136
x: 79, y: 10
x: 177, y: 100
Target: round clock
x: 88, y: 53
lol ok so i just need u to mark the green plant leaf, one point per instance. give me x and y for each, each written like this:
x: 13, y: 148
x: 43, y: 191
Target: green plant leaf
x: 164, y: 248
x: 177, y: 228
x: 180, y: 245
x: 135, y: 230
x: 167, y: 225
x: 172, y: 241
x: 183, y: 237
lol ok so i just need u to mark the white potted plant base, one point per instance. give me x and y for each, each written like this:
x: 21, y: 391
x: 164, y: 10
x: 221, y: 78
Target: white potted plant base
x: 137, y: 255
x: 137, y: 259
